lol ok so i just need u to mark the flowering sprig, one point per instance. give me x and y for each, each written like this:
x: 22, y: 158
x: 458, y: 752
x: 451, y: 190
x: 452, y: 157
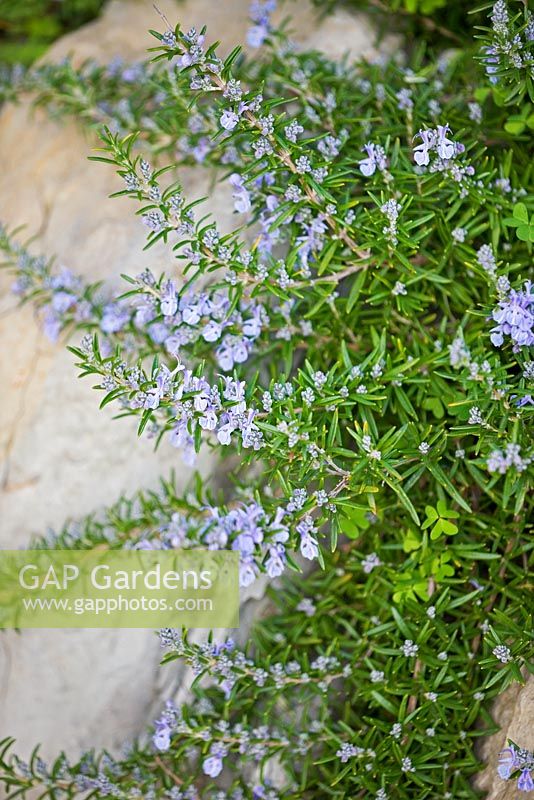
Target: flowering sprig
x: 515, y: 318
x: 508, y: 52
x: 151, y: 316
x: 517, y: 763
x: 119, y: 94
x: 187, y: 403
x: 260, y: 14
x: 231, y: 667
x: 248, y: 109
x: 62, y: 299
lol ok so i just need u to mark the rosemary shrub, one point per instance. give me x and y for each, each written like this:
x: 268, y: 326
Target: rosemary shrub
x: 357, y: 350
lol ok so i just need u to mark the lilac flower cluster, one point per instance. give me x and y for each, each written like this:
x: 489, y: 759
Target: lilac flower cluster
x: 222, y: 738
x: 195, y: 401
x: 507, y: 48
x: 517, y: 763
x: 190, y: 403
x: 491, y: 62
x: 348, y: 750
x: 486, y: 260
x: 209, y: 315
x: 502, y: 653
x: 230, y: 117
x: 168, y: 723
x: 391, y: 209
x: 260, y: 14
x: 405, y: 100
x: 251, y: 531
x: 481, y: 372
x: 510, y: 458
x: 66, y: 301
x: 437, y: 141
x: 241, y: 195
x: 213, y: 763
x: 499, y: 18
x: 260, y: 538
x: 515, y: 318
x: 376, y: 159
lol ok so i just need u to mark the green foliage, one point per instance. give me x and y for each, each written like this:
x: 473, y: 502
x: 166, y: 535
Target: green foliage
x: 439, y: 22
x: 28, y: 27
x: 524, y: 226
x: 440, y: 520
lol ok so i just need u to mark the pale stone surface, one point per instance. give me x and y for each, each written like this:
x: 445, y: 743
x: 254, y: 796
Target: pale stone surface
x: 123, y: 28
x: 60, y: 456
x: 514, y: 712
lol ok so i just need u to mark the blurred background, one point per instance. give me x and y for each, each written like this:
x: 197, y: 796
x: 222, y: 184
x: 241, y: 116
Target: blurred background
x: 28, y: 27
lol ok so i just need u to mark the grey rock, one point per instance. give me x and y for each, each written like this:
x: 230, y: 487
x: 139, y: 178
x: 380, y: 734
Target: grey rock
x: 513, y: 711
